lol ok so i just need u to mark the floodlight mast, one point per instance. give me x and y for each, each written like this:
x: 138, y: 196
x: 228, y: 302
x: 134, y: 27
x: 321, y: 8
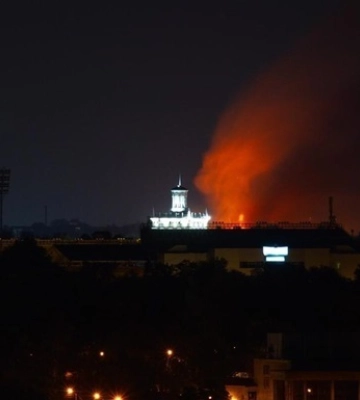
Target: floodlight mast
x: 4, y: 189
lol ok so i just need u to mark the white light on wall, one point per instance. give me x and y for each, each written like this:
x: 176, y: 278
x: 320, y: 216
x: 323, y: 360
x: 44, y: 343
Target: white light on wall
x: 275, y: 258
x: 186, y: 222
x: 275, y: 251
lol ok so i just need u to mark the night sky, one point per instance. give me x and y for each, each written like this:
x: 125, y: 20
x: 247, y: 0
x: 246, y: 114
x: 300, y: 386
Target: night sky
x: 104, y: 104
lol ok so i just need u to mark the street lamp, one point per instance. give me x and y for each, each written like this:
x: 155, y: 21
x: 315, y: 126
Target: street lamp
x: 96, y: 396
x: 169, y: 353
x: 4, y: 189
x: 70, y: 392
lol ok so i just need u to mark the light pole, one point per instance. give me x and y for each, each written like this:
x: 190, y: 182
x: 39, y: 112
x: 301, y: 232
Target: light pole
x: 169, y: 353
x: 4, y: 189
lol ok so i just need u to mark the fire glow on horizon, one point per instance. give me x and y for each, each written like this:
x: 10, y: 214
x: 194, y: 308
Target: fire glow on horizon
x: 284, y: 145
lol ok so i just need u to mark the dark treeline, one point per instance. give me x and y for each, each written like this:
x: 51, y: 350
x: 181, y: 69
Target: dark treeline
x: 70, y: 229
x: 55, y: 323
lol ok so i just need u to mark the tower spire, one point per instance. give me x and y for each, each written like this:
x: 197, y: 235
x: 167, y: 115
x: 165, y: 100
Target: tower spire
x: 179, y: 180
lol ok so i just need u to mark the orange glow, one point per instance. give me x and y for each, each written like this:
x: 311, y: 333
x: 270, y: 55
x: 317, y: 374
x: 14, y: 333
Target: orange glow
x: 278, y: 150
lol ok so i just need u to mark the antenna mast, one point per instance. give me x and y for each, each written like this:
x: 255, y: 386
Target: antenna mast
x: 332, y: 218
x: 4, y: 189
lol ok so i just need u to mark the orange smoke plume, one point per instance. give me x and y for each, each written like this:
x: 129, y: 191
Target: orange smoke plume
x: 284, y: 146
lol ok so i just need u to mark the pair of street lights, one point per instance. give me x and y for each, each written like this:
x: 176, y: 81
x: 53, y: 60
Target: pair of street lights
x: 70, y: 392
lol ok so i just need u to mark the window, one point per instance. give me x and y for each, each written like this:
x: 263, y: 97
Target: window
x: 346, y: 390
x: 266, y: 383
x: 279, y: 390
x: 298, y: 390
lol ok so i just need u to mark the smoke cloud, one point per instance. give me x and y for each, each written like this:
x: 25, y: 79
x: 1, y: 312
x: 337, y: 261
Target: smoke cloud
x: 293, y: 139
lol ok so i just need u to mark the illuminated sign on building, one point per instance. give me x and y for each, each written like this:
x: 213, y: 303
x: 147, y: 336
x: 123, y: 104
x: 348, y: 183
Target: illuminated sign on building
x: 275, y: 254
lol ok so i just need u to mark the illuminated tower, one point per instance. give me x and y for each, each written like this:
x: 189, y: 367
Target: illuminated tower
x: 179, y: 198
x: 180, y: 216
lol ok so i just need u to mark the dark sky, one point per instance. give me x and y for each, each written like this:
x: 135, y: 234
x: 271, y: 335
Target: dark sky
x: 104, y: 104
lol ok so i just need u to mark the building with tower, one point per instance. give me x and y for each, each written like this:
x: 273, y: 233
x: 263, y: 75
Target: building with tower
x: 179, y: 216
x: 180, y: 235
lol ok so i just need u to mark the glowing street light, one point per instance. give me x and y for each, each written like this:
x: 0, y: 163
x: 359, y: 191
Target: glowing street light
x: 69, y: 391
x: 118, y: 398
x: 96, y: 396
x: 169, y: 353
x: 101, y: 354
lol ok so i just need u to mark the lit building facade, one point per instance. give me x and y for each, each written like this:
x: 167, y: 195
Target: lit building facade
x: 180, y: 216
x: 302, y: 366
x: 247, y: 250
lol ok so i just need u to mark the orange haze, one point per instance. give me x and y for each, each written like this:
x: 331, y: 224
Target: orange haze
x: 292, y: 140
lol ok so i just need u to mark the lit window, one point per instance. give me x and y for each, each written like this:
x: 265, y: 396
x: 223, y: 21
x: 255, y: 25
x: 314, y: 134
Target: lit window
x: 275, y: 251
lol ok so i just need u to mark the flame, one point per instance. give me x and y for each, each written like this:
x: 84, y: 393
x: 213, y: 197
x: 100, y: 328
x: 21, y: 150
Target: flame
x: 273, y: 151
